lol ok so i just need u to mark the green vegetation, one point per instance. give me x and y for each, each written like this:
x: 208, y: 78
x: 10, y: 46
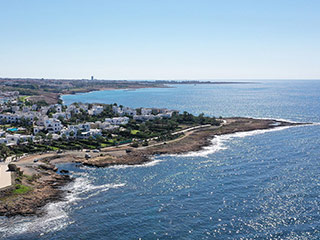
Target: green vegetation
x: 160, y: 129
x: 134, y: 132
x: 21, y: 189
x: 134, y: 144
x: 32, y: 178
x: 4, y: 152
x: 23, y: 98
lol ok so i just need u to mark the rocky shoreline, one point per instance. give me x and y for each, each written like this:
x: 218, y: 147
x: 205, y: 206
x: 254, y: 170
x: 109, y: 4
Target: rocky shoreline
x: 46, y: 186
x: 191, y: 143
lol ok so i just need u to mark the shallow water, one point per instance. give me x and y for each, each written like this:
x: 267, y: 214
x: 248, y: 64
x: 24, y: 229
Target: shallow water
x: 256, y: 185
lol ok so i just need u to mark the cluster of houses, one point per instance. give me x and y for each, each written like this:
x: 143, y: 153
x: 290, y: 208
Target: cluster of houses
x: 14, y: 139
x: 48, y: 119
x: 146, y: 113
x: 6, y: 96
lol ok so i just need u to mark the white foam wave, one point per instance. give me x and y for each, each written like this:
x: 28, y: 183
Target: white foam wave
x: 148, y: 164
x: 57, y: 213
x: 216, y: 145
x: 218, y: 142
x: 279, y: 119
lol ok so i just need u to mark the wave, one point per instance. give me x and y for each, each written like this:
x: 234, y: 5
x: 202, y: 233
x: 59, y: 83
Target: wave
x: 276, y: 119
x: 152, y: 163
x: 273, y: 118
x: 218, y: 142
x: 57, y: 213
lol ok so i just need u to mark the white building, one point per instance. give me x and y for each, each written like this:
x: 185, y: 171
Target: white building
x: 26, y: 109
x: 44, y: 110
x: 146, y: 111
x: 52, y: 125
x: 69, y: 132
x: 15, y: 108
x: 37, y: 129
x: 64, y: 115
x: 16, y: 139
x: 117, y: 120
x: 58, y: 108
x: 80, y: 127
x: 14, y: 118
x: 3, y: 141
x: 96, y: 110
x: 144, y: 117
x: 34, y: 107
x: 129, y: 111
x: 165, y: 115
x: 91, y: 133
x: 117, y: 110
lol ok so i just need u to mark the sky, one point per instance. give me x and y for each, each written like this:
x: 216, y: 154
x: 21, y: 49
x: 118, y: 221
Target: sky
x: 160, y: 39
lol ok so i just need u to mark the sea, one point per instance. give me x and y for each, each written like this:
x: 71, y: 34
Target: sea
x: 252, y: 185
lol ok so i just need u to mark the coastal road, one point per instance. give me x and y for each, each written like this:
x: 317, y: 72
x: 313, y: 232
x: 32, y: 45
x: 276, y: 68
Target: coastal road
x: 192, y: 128
x: 5, y: 177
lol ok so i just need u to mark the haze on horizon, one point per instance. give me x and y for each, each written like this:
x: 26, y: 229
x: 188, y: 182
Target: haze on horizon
x: 168, y: 39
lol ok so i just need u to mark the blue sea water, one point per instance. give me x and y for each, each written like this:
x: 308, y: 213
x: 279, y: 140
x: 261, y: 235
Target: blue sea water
x: 255, y: 185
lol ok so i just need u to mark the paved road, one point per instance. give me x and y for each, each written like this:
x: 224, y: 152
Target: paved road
x: 5, y: 177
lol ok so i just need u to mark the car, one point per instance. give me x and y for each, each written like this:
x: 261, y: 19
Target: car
x: 96, y: 151
x: 35, y: 160
x: 87, y: 150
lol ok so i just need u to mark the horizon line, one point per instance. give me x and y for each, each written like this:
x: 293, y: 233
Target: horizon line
x: 155, y: 79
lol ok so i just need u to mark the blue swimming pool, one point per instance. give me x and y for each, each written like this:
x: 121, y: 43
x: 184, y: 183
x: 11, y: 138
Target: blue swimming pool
x: 12, y: 129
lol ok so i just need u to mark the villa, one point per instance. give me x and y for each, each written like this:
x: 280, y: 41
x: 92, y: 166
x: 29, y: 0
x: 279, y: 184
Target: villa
x: 52, y: 125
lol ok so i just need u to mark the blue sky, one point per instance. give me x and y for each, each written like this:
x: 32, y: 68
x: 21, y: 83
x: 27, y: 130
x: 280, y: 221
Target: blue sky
x: 160, y: 39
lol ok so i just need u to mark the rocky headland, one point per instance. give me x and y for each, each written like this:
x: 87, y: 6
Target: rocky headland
x: 42, y: 184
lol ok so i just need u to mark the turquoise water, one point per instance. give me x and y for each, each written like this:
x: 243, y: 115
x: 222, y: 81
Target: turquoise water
x: 12, y: 129
x: 256, y: 185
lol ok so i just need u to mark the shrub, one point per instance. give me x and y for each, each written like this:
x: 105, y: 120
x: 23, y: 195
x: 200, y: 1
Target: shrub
x: 135, y: 145
x: 21, y: 189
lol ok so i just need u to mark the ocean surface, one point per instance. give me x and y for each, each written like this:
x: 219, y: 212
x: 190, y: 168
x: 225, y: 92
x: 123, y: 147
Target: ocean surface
x: 254, y: 185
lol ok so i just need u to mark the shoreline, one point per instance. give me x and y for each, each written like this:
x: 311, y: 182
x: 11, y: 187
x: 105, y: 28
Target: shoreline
x: 53, y: 98
x: 193, y: 142
x: 133, y: 88
x: 48, y: 183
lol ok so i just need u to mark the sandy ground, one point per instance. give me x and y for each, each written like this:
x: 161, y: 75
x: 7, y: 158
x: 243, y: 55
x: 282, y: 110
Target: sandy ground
x: 5, y: 177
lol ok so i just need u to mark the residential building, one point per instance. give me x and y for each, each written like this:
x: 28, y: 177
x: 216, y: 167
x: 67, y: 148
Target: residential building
x: 52, y: 125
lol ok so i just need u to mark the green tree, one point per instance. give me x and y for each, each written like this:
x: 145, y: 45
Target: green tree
x: 4, y: 151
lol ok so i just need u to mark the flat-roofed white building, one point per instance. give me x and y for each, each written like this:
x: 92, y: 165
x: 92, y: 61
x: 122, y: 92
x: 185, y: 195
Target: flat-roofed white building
x: 52, y: 125
x: 117, y: 120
